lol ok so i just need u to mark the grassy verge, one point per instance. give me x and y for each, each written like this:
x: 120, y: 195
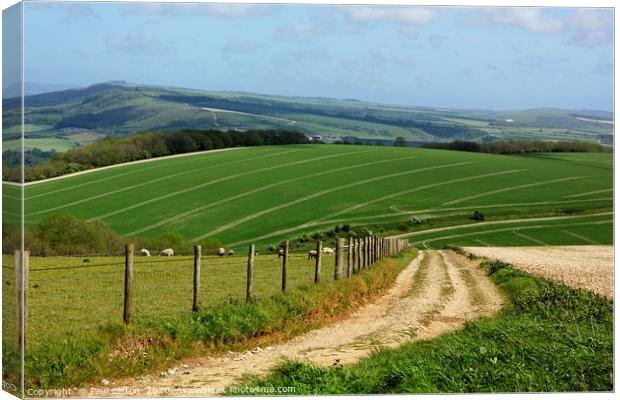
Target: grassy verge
x: 548, y: 338
x: 149, y: 344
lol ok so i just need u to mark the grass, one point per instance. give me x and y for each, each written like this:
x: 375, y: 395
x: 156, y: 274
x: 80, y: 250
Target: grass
x: 585, y: 229
x: 264, y: 195
x: 28, y: 128
x: 154, y: 341
x: 549, y: 338
x: 45, y: 144
x: 61, y: 299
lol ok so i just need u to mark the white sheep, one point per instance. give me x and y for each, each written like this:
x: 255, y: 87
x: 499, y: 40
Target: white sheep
x: 328, y: 250
x: 167, y: 252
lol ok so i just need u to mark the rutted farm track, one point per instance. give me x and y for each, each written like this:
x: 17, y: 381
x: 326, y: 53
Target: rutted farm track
x: 437, y: 292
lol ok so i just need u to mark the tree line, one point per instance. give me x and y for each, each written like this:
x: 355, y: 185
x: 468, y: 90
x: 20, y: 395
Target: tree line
x: 149, y: 145
x: 522, y: 146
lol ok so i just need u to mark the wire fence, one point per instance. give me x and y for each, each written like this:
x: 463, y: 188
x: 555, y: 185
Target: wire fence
x: 68, y: 296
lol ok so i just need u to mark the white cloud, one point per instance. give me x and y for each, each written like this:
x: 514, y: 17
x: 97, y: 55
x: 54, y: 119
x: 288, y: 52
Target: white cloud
x: 176, y: 9
x: 590, y: 27
x: 137, y: 43
x: 403, y: 15
x: 317, y: 24
x: 587, y: 27
x: 531, y: 19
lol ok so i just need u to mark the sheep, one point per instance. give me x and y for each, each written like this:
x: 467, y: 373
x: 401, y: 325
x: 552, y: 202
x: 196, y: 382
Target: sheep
x: 312, y: 254
x: 231, y: 252
x: 145, y: 252
x: 221, y: 251
x: 328, y: 250
x: 280, y: 253
x: 167, y: 253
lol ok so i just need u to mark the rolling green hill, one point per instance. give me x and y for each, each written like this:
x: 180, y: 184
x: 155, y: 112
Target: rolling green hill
x: 118, y: 109
x: 266, y: 194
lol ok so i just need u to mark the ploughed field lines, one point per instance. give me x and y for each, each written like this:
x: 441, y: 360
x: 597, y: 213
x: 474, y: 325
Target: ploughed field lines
x: 589, y: 229
x: 266, y: 194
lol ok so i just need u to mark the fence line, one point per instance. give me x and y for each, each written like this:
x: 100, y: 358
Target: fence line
x: 352, y: 256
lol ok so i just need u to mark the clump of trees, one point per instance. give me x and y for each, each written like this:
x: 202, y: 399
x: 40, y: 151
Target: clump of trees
x: 400, y: 142
x: 149, y: 145
x: 522, y: 146
x: 65, y: 235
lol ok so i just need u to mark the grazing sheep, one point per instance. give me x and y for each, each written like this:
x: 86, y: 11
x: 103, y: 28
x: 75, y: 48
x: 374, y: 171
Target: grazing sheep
x: 167, y: 253
x: 231, y: 252
x: 145, y: 252
x: 221, y: 251
x: 312, y: 254
x: 280, y: 253
x: 328, y: 250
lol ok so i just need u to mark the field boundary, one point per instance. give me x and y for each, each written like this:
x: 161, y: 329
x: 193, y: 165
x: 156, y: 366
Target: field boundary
x: 513, y: 229
x: 508, y: 221
x: 124, y: 164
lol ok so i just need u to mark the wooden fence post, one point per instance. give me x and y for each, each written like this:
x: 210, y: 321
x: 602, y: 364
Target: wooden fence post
x: 128, y: 304
x: 358, y: 252
x: 339, y: 259
x: 369, y: 251
x: 250, y: 274
x: 284, y: 265
x: 197, y: 256
x: 374, y: 250
x: 317, y: 264
x: 366, y: 251
x: 21, y: 285
x: 349, y: 257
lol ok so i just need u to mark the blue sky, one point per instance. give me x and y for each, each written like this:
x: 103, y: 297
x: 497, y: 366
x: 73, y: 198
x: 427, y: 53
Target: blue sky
x: 491, y: 58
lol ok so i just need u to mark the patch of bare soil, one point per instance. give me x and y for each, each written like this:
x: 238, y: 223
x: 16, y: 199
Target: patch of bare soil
x: 437, y: 292
x: 586, y: 267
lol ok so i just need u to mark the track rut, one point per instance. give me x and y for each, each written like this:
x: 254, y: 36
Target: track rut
x: 436, y: 293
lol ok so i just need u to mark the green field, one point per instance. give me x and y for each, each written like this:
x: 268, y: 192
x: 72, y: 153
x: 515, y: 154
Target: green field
x: 28, y: 128
x: 45, y: 144
x: 263, y: 195
x: 63, y: 290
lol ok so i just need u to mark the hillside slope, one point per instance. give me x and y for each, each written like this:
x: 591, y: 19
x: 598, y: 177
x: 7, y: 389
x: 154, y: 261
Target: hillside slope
x: 118, y: 108
x: 266, y: 194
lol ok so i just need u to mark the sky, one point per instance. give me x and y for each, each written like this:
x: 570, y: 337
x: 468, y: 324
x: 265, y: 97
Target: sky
x: 454, y: 57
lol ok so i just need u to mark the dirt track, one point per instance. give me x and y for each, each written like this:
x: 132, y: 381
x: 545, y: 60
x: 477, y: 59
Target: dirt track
x: 435, y: 293
x: 587, y: 267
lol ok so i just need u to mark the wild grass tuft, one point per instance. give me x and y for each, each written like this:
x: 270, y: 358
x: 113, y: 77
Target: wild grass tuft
x: 549, y: 338
x: 151, y: 343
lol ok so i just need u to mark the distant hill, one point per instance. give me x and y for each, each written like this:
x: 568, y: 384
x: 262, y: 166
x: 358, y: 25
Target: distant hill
x: 118, y: 108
